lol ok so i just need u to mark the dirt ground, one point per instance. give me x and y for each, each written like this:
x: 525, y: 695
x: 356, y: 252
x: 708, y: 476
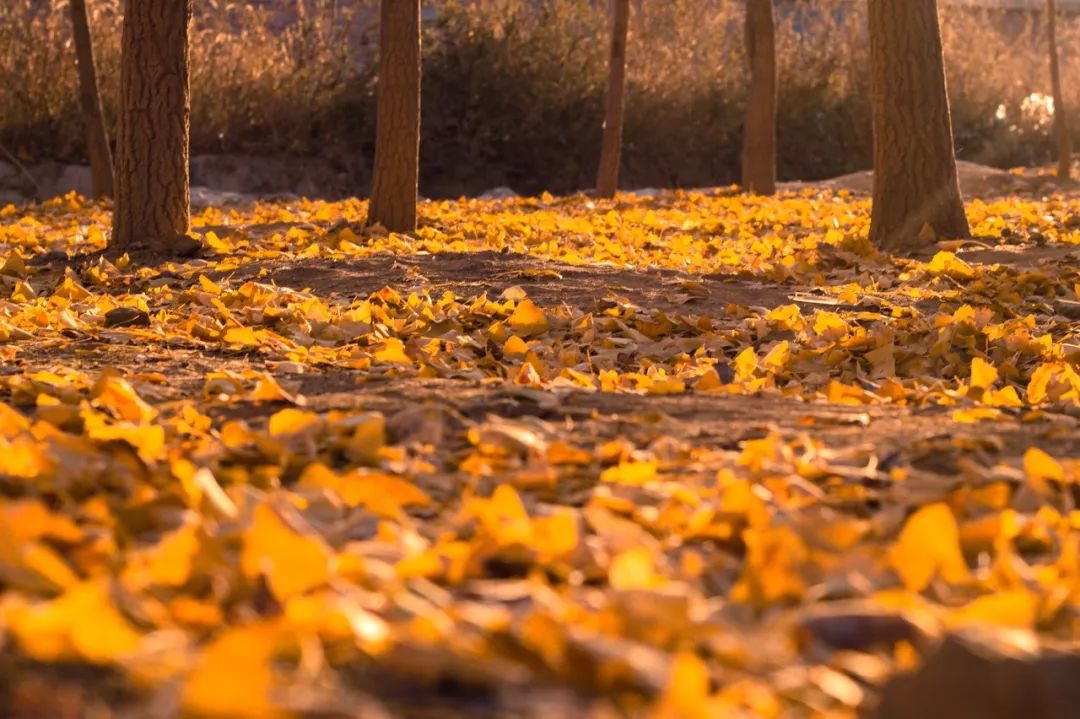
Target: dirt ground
x: 937, y: 452
x: 876, y: 461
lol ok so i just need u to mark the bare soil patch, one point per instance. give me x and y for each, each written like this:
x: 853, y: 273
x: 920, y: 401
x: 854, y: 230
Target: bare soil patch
x: 545, y: 282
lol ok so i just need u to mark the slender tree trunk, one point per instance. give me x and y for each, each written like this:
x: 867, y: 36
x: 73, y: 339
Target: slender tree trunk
x: 607, y: 177
x: 915, y: 182
x: 759, y: 129
x: 397, y: 141
x: 152, y: 186
x: 97, y: 140
x: 1061, y: 117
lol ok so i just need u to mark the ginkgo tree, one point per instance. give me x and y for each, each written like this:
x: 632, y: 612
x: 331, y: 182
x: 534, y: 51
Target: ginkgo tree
x: 916, y: 189
x: 152, y: 183
x: 759, y: 129
x: 397, y: 143
x: 1062, y: 133
x: 97, y: 139
x: 607, y: 177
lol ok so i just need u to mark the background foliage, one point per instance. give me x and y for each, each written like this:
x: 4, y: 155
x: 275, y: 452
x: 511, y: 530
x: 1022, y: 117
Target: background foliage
x: 513, y: 90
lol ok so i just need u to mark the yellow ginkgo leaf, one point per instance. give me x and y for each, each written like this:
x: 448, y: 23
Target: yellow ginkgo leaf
x: 119, y: 397
x: 746, y: 363
x: 209, y: 285
x: 1004, y: 397
x: 14, y: 265
x: 202, y: 490
x: 969, y: 415
x: 1038, y: 388
x: 70, y: 289
x: 786, y: 316
x: 393, y: 351
x: 1017, y: 608
x: 1038, y: 465
x: 983, y: 374
x: 383, y: 494
x: 243, y: 336
x: 29, y: 519
x: 527, y: 376
x: 771, y: 573
x: 503, y: 515
x: 528, y: 320
x: 686, y: 694
x: 234, y: 676
x: 24, y: 458
x: 293, y: 560
x: 47, y: 564
x: 12, y: 422
x: 757, y: 452
x: 292, y: 421
x: 82, y: 623
x: 829, y: 325
x: 267, y: 389
x: 169, y: 563
x: 778, y: 357
x: 515, y: 346
x: 947, y: 263
x: 367, y: 439
x: 23, y: 292
x: 929, y: 546
x: 148, y: 440
x: 634, y: 473
x: 634, y: 568
x: 555, y: 536
x: 709, y: 381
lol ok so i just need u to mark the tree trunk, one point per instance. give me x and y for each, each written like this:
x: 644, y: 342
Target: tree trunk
x: 152, y: 192
x: 915, y: 183
x: 1061, y: 117
x: 397, y: 140
x: 607, y: 177
x: 97, y: 140
x: 759, y: 129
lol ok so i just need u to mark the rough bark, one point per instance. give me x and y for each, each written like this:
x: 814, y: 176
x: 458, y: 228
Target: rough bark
x: 1062, y: 134
x: 915, y: 182
x: 97, y: 140
x: 759, y: 129
x: 152, y: 185
x: 607, y: 177
x: 397, y: 141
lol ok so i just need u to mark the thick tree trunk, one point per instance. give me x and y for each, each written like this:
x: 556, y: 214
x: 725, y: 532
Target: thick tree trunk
x: 759, y: 129
x: 915, y: 183
x: 607, y: 177
x: 97, y: 140
x: 1062, y: 134
x: 397, y: 141
x: 152, y: 192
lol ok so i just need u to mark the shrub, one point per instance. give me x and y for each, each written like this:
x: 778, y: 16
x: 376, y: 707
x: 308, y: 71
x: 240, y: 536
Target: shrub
x: 257, y: 86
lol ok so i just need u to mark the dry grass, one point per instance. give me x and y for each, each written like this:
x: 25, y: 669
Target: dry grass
x: 513, y: 89
x: 256, y: 87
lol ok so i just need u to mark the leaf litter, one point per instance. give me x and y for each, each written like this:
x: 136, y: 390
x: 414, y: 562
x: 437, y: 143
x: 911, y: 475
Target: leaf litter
x: 693, y: 455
